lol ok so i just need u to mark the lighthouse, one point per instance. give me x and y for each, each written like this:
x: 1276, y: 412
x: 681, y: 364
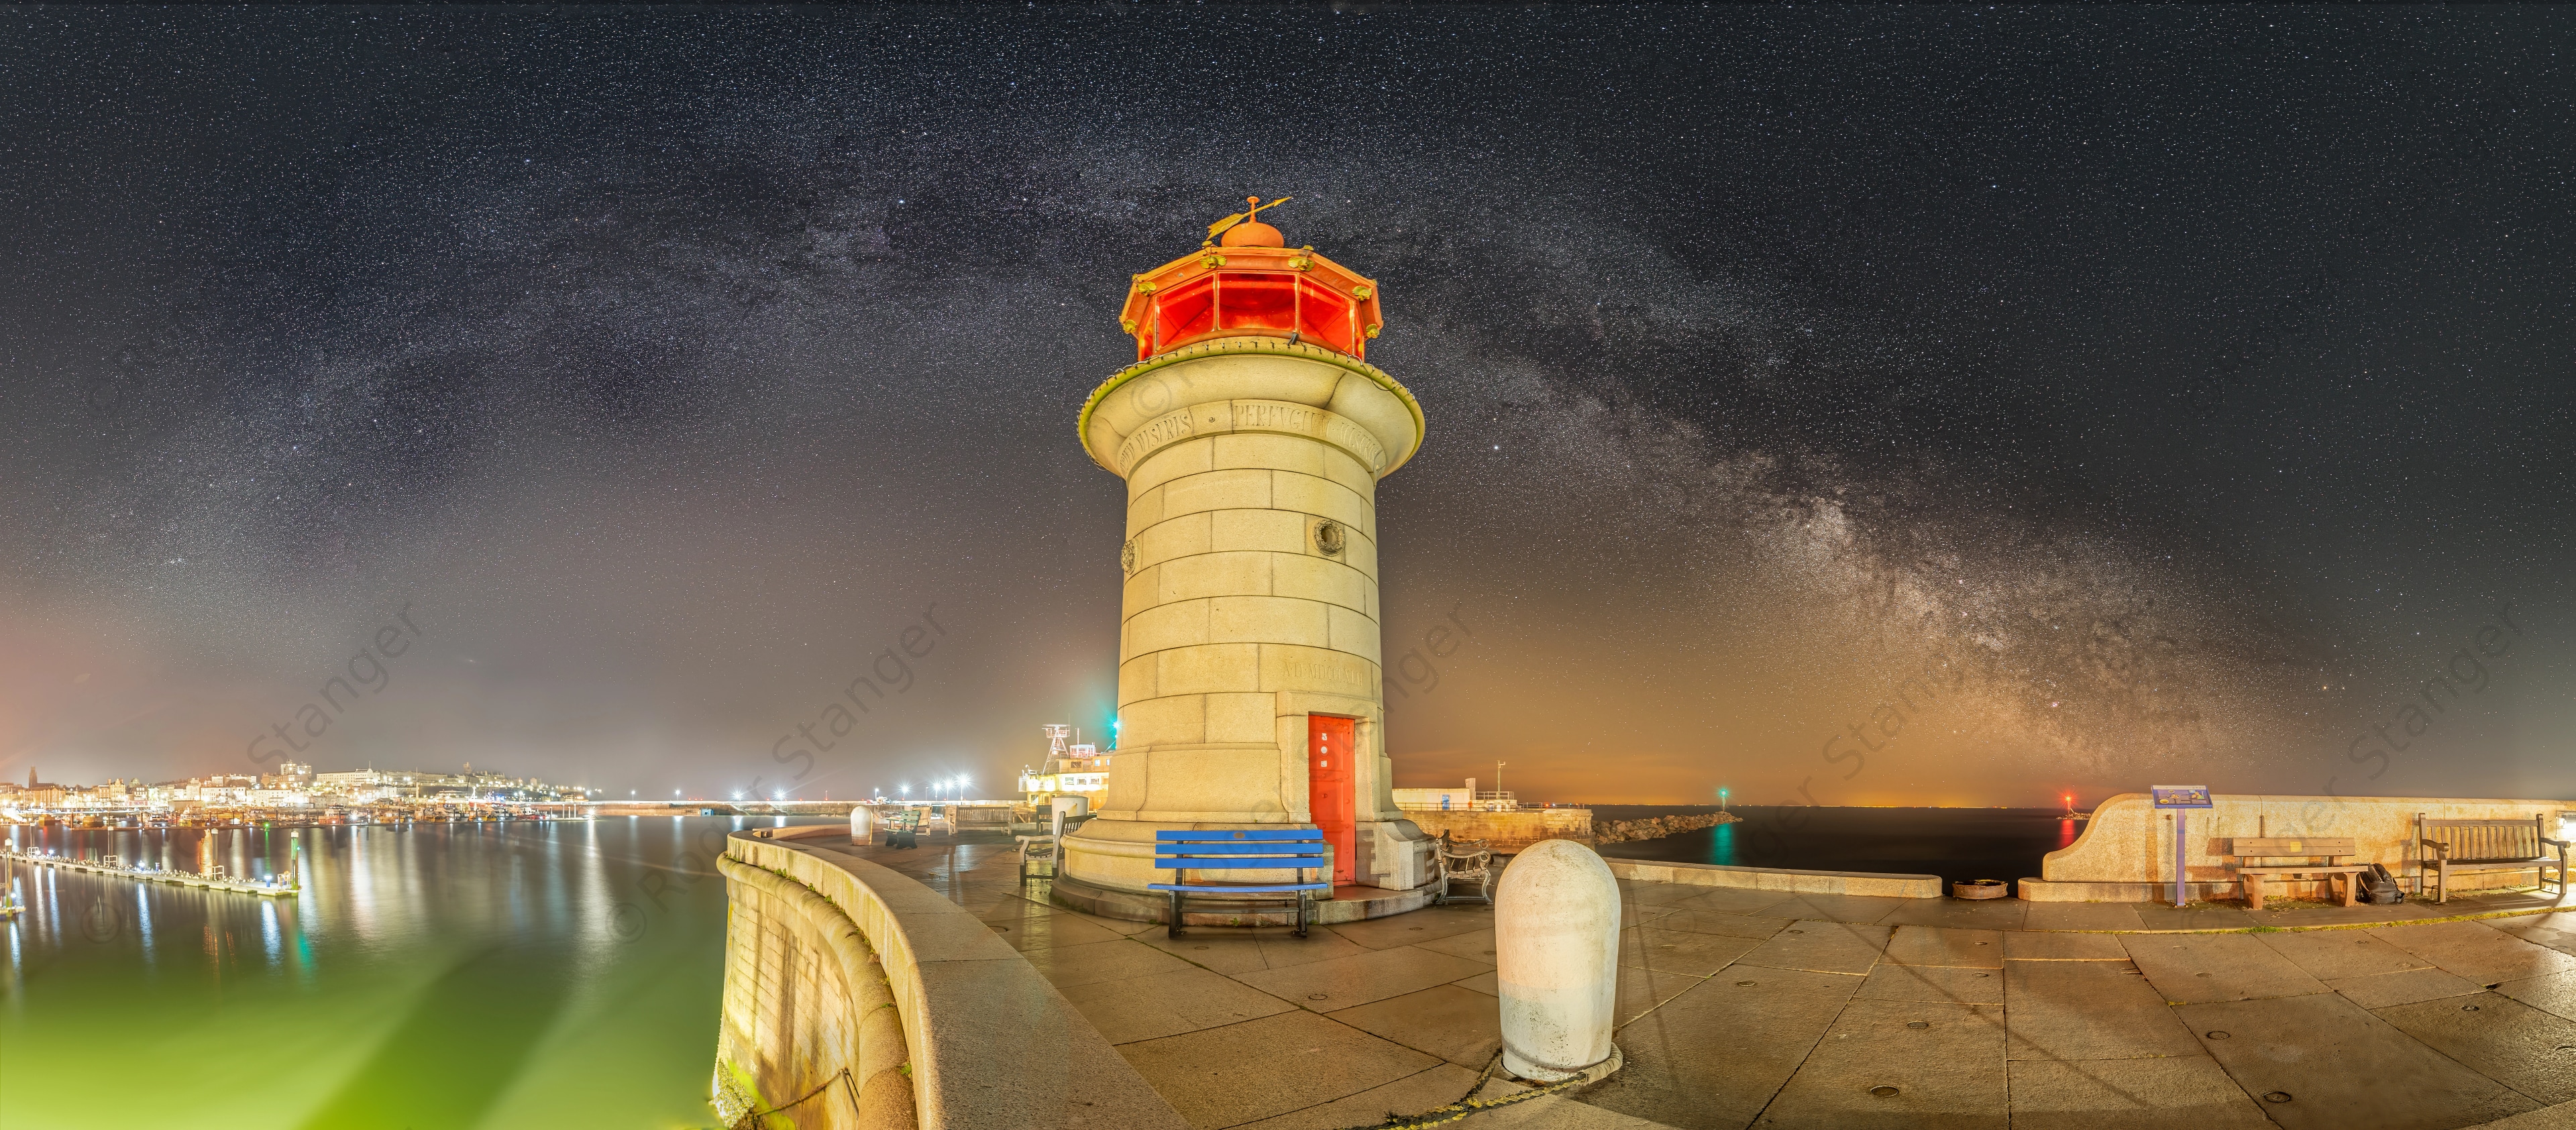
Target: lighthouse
x: 1251, y: 432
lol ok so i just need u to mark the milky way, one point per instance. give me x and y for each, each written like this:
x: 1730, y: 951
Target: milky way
x: 2164, y: 392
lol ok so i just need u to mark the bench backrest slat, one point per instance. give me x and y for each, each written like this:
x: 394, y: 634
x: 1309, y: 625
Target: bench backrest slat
x: 2291, y: 845
x: 1234, y: 835
x: 2483, y: 840
x: 1238, y: 863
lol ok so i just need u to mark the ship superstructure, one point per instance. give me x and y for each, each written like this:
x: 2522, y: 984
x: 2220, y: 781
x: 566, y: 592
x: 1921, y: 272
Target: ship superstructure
x: 1072, y: 767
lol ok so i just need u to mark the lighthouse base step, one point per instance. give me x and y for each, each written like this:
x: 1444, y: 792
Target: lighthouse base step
x: 1347, y: 904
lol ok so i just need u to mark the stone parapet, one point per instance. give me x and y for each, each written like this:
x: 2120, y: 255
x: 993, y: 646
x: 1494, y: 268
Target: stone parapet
x: 1508, y: 832
x: 1882, y: 884
x: 879, y: 1003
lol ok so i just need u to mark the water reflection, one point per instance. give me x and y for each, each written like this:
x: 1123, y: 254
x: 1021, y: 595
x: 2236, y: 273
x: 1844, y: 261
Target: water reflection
x: 489, y: 975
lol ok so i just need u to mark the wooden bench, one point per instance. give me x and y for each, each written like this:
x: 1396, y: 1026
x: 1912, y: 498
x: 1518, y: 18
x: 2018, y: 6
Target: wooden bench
x: 2329, y: 848
x: 1242, y: 849
x: 2471, y: 847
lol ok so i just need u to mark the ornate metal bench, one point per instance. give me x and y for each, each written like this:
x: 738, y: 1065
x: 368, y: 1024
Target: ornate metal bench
x: 2471, y: 847
x: 1465, y: 861
x: 1242, y: 849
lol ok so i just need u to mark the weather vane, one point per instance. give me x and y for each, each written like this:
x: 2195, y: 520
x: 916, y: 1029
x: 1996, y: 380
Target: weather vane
x: 1219, y: 228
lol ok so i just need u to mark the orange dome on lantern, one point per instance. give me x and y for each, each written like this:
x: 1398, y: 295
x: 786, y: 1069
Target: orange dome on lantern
x: 1251, y: 285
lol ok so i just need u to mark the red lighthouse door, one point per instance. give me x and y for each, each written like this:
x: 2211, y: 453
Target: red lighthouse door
x: 1332, y: 761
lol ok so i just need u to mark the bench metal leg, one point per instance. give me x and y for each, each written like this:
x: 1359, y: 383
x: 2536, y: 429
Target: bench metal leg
x: 1174, y: 929
x: 1304, y: 902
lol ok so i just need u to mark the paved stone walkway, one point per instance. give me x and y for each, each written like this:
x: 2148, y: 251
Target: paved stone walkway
x: 1748, y: 1008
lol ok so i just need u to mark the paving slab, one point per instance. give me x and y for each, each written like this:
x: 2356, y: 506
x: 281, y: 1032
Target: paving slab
x: 2554, y: 994
x: 2501, y: 1038
x: 1641, y: 991
x: 1857, y: 909
x: 1639, y: 914
x: 1475, y: 946
x: 1168, y: 1004
x: 2335, y: 1066
x: 1960, y: 914
x: 1121, y: 960
x: 2197, y: 916
x: 1488, y: 982
x: 1900, y: 1064
x: 1715, y: 1055
x: 2560, y: 1117
x: 1680, y: 951
x: 2556, y: 931
x: 1048, y: 931
x: 1711, y: 922
x: 2082, y: 916
x: 2131, y: 1094
x: 1415, y: 926
x: 2195, y: 968
x: 1951, y: 984
x: 1663, y: 894
x: 1341, y: 982
x: 1463, y: 1027
x: 1732, y: 900
x: 2064, y: 947
x: 2088, y: 1010
x: 2342, y: 953
x: 2477, y: 951
x: 2380, y: 990
x: 1933, y: 945
x: 1262, y: 1068
x: 1437, y: 1086
x: 1822, y: 947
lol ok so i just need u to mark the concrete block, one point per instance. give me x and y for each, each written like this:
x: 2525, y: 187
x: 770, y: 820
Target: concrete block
x: 1183, y: 536
x: 1266, y: 451
x: 1219, y: 490
x: 1271, y: 620
x: 2088, y: 1010
x: 1182, y: 623
x: 1289, y: 668
x: 1265, y: 531
x: 1177, y: 461
x: 1901, y: 1064
x: 1171, y: 718
x: 1347, y: 631
x: 1321, y: 497
x: 1209, y: 668
x: 1317, y: 578
x: 1823, y: 947
x: 1216, y: 574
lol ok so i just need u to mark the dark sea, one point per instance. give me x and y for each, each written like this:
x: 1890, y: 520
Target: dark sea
x: 1953, y: 843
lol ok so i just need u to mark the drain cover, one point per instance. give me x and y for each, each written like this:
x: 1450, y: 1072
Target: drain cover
x: 2276, y: 1096
x: 1916, y: 1024
x: 2468, y: 1008
x: 1742, y: 984
x: 2217, y: 1035
x: 1884, y: 1092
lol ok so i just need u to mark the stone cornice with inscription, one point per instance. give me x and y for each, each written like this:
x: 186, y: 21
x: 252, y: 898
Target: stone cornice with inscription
x: 1232, y: 417
x: 1386, y: 462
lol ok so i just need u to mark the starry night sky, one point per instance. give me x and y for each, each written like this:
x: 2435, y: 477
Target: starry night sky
x: 2178, y: 391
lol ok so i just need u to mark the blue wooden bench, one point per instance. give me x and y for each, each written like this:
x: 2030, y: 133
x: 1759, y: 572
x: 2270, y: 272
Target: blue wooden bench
x: 1242, y: 849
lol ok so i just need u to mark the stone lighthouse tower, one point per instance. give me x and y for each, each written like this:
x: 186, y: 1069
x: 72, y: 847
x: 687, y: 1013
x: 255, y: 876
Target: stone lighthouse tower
x: 1252, y: 433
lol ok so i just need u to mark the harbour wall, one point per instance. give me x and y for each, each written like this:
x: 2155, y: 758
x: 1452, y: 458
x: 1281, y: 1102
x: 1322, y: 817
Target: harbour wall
x: 1508, y: 832
x: 1781, y: 879
x: 858, y: 998
x: 2126, y: 853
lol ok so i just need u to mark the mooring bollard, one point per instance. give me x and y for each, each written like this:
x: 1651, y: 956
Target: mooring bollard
x: 1556, y: 944
x: 862, y: 824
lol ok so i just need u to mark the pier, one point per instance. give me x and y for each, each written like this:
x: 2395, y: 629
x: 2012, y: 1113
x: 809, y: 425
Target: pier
x: 157, y: 875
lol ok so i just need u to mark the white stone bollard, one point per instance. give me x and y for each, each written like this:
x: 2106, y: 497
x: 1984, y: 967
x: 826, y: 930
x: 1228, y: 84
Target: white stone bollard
x: 862, y: 824
x: 1556, y: 945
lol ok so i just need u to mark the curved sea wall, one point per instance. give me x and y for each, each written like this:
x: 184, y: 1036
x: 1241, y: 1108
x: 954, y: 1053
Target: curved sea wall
x: 1658, y: 827
x: 2126, y: 853
x: 858, y: 998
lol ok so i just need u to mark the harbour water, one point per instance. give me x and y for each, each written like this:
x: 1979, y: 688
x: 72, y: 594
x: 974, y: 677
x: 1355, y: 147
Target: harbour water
x: 1953, y: 843
x: 448, y: 975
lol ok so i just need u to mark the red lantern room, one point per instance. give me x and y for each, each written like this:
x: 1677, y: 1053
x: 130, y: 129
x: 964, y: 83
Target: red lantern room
x: 1249, y: 283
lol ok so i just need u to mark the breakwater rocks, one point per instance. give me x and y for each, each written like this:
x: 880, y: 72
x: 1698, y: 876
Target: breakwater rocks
x: 1657, y: 827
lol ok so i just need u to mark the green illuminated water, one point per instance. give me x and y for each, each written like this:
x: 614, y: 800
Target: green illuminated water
x: 436, y: 976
